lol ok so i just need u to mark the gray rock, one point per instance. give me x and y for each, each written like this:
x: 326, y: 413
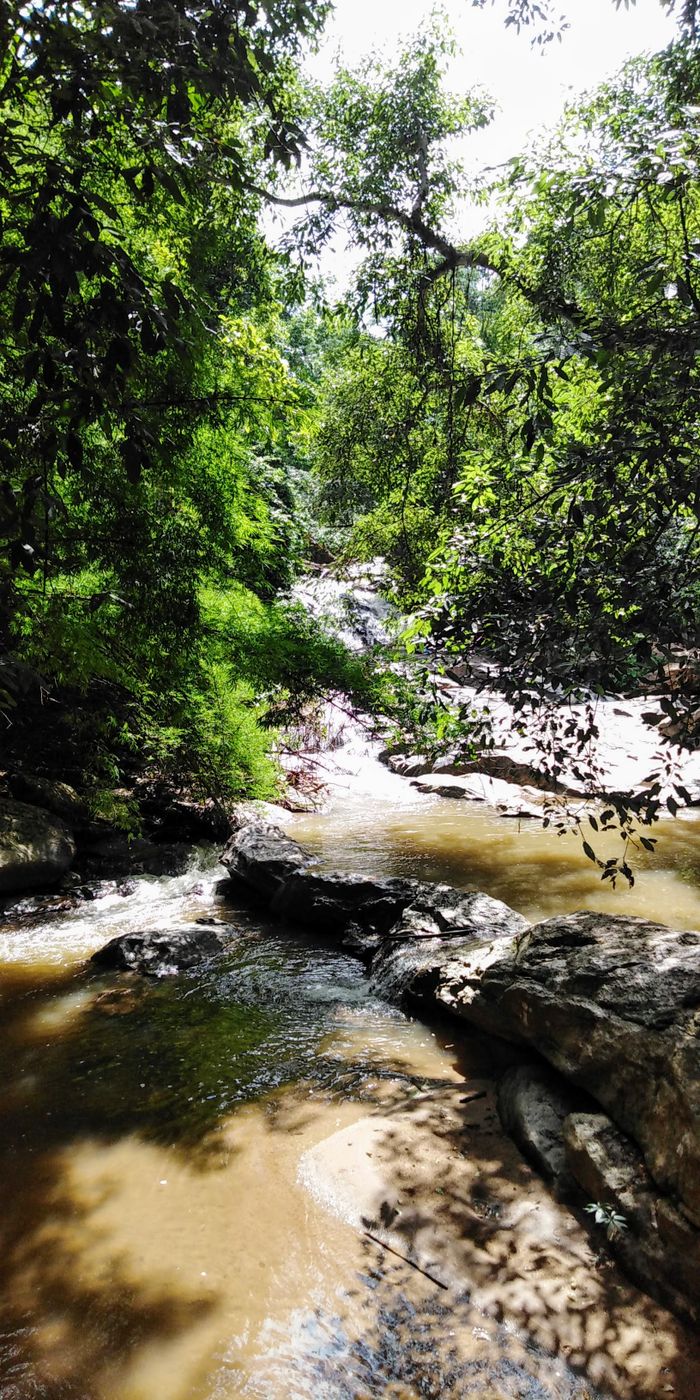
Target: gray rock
x: 115, y: 856
x: 158, y: 954
x: 36, y: 848
x: 533, y: 1103
x: 437, y: 935
x: 656, y: 1244
x: 410, y: 765
x: 263, y: 857
x: 330, y: 901
x: 59, y: 798
x: 614, y: 1005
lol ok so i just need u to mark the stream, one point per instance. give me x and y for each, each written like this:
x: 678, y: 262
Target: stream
x: 259, y: 1179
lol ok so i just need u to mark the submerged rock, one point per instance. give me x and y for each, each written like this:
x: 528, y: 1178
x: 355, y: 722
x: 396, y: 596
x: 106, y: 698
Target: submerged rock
x: 263, y: 857
x: 36, y: 848
x: 158, y: 954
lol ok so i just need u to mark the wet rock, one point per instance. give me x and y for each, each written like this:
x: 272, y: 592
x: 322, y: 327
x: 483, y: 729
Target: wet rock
x: 410, y: 765
x: 158, y: 954
x: 359, y: 942
x: 330, y: 901
x: 507, y: 798
x: 657, y: 1245
x: 614, y: 1004
x: 36, y: 848
x: 439, y: 934
x: 533, y: 1104
x: 263, y: 857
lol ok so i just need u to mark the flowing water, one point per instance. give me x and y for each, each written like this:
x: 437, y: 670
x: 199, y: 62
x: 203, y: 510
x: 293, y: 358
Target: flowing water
x: 221, y: 1184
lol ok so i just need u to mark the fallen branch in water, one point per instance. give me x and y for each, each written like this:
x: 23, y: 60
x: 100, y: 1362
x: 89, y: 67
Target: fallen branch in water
x: 404, y: 1257
x: 421, y: 937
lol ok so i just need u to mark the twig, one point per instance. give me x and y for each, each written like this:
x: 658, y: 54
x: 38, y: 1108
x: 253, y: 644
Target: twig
x: 406, y: 1260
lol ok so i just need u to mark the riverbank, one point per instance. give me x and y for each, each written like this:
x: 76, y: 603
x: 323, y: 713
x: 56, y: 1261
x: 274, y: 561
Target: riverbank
x: 194, y: 1150
x: 611, y: 1003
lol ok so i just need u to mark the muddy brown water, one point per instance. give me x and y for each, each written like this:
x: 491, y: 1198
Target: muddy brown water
x: 260, y: 1180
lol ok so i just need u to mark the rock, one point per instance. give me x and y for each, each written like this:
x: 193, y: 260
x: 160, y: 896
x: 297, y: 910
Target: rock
x: 179, y: 820
x: 506, y: 798
x: 417, y: 958
x: 36, y: 848
x: 59, y: 798
x: 331, y: 901
x: 533, y: 1103
x: 614, y: 1004
x: 263, y: 857
x: 115, y: 856
x: 656, y: 1243
x: 158, y: 954
x: 410, y: 765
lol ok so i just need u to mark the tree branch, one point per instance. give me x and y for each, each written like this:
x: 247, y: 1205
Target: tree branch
x: 452, y: 256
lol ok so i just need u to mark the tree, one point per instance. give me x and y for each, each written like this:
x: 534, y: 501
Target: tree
x: 573, y: 388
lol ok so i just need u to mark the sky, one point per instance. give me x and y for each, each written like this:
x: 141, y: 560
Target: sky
x: 531, y: 85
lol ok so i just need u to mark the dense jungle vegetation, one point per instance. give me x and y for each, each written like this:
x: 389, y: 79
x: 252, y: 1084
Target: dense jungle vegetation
x: 186, y: 419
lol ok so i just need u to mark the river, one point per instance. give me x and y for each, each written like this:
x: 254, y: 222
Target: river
x: 221, y: 1184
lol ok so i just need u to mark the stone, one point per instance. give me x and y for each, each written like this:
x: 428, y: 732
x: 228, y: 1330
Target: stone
x: 331, y: 901
x: 36, y: 848
x: 52, y: 796
x: 115, y: 856
x: 263, y: 857
x: 613, y: 1003
x: 437, y: 935
x: 533, y: 1103
x: 656, y: 1244
x: 410, y: 765
x: 507, y: 798
x: 158, y: 954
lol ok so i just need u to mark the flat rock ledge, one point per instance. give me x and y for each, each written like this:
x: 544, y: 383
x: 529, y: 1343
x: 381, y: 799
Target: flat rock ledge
x: 611, y: 1003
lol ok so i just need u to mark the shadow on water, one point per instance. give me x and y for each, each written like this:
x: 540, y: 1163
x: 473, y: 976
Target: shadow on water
x: 98, y: 1062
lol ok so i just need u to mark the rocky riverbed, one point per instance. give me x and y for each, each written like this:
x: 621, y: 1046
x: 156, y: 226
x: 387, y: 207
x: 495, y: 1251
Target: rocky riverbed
x: 611, y: 1004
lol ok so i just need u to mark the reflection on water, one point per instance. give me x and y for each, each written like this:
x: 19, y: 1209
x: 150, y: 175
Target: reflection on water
x: 156, y: 1238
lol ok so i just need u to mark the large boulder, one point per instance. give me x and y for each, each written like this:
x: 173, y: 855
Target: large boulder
x: 614, y: 1004
x: 158, y: 954
x: 440, y: 933
x: 36, y: 848
x: 331, y: 900
x: 533, y: 1104
x: 654, y: 1241
x: 263, y: 857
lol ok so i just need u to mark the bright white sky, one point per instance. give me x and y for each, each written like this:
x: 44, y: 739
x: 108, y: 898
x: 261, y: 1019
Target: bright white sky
x: 531, y: 86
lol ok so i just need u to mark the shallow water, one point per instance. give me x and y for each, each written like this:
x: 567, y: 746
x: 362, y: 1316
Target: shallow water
x: 177, y: 1222
x: 377, y: 822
